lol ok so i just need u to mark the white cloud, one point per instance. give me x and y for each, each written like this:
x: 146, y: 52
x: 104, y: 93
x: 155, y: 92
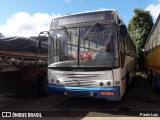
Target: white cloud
x: 26, y: 25
x: 154, y: 9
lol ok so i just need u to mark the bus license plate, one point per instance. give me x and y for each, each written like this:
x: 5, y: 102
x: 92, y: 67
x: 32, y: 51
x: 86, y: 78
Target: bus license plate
x: 108, y: 93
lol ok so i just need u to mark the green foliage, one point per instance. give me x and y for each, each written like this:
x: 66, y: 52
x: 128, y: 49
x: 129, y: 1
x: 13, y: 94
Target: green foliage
x: 139, y: 28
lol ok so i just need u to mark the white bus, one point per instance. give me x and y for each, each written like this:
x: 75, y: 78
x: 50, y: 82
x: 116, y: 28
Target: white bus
x: 90, y: 55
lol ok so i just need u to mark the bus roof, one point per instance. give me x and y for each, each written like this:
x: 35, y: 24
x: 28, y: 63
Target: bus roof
x: 94, y: 11
x: 110, y: 15
x: 153, y: 29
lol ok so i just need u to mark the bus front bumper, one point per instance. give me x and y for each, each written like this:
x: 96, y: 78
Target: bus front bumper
x: 108, y: 93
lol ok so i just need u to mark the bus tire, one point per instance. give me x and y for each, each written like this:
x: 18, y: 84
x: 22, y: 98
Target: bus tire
x: 149, y: 74
x: 153, y: 83
x: 42, y: 85
x: 154, y: 86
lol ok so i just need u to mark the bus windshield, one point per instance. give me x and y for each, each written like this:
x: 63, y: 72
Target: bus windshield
x: 91, y: 46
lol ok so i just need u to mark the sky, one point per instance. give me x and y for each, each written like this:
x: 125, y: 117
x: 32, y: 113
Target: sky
x: 29, y: 17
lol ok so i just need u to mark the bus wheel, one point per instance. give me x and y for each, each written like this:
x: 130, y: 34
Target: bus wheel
x: 149, y: 74
x: 154, y: 86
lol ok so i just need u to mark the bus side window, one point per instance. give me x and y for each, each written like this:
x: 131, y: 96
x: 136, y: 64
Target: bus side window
x: 127, y: 42
x: 122, y: 49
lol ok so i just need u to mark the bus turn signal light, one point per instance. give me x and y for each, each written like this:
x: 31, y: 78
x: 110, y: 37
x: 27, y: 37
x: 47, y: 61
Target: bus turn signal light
x: 65, y: 93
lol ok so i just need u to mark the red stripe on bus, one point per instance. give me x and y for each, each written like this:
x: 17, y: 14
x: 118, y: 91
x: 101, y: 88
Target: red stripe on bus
x: 156, y: 67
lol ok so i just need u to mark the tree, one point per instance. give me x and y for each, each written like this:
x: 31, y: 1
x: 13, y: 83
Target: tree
x: 139, y: 28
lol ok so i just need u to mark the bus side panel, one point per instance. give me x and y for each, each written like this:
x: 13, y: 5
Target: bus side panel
x: 129, y: 67
x: 156, y: 79
x: 152, y: 65
x: 119, y: 75
x: 156, y: 67
x: 155, y: 61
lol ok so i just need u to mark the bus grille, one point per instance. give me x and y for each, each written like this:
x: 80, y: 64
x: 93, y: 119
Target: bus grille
x: 80, y: 80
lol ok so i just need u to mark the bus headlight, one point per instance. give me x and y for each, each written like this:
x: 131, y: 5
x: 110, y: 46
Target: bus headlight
x: 101, y: 83
x: 52, y: 80
x: 109, y: 83
x: 57, y: 82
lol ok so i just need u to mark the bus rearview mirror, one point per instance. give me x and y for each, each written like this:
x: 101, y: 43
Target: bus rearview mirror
x: 40, y: 39
x: 123, y: 28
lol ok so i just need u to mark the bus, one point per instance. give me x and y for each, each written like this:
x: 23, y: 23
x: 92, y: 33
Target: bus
x: 91, y: 54
x: 152, y: 59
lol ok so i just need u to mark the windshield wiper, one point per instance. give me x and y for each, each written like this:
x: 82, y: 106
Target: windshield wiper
x: 89, y: 30
x: 66, y: 33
